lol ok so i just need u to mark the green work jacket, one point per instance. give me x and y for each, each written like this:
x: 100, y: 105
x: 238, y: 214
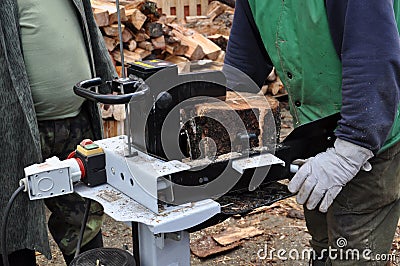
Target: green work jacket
x: 299, y: 43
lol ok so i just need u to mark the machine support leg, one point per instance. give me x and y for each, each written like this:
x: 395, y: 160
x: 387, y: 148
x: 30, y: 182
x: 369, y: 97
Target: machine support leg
x: 163, y: 249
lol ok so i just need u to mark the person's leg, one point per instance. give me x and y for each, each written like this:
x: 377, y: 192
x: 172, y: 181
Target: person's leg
x: 59, y: 138
x: 363, y: 218
x: 96, y: 242
x: 318, y: 229
x: 66, y: 218
x: 23, y: 257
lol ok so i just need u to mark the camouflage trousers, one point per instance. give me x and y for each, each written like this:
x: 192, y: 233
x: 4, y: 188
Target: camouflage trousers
x: 59, y: 138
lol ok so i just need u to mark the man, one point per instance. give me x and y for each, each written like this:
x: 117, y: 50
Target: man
x: 335, y: 56
x: 46, y: 46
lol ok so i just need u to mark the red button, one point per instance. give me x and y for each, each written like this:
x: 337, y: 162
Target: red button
x: 86, y: 142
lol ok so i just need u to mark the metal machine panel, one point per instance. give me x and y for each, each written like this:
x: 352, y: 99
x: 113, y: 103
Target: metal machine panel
x: 171, y: 219
x: 136, y: 175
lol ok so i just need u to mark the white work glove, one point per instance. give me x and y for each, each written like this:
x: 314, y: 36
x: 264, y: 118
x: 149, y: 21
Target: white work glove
x: 323, y: 176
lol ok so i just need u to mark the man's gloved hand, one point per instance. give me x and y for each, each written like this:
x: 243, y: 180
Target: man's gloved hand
x: 323, y: 176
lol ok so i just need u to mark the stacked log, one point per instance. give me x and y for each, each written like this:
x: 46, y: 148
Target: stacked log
x: 148, y: 34
x: 216, y: 25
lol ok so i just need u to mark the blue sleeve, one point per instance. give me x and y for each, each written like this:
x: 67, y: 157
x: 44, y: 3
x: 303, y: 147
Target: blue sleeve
x: 246, y: 51
x: 367, y: 40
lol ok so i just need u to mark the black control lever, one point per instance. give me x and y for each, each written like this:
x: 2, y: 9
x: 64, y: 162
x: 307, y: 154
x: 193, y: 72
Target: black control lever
x: 303, y: 142
x: 83, y: 89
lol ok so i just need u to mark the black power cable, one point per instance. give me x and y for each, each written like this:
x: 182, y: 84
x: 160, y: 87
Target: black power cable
x: 4, y: 251
x: 83, y: 226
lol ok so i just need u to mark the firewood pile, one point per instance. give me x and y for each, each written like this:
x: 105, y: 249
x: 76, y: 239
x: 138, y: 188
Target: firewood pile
x: 149, y: 34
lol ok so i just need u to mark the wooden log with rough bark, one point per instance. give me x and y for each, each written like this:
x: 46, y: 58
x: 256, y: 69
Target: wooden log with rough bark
x: 173, y: 46
x: 136, y: 17
x: 220, y: 40
x: 127, y: 35
x: 182, y: 62
x: 111, y: 8
x: 101, y: 17
x: 112, y: 30
x: 176, y: 49
x: 159, y: 43
x: 194, y: 51
x: 146, y: 45
x: 154, y: 29
x: 131, y: 45
x: 110, y: 43
x: 210, y: 49
x: 215, y: 9
x: 142, y: 53
x: 219, y: 121
x: 129, y: 57
x: 141, y: 36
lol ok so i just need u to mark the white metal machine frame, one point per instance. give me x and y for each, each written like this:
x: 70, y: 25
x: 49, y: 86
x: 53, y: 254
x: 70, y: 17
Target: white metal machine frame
x: 135, y: 183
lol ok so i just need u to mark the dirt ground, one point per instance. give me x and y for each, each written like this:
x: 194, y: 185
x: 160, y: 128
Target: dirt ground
x: 282, y: 223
